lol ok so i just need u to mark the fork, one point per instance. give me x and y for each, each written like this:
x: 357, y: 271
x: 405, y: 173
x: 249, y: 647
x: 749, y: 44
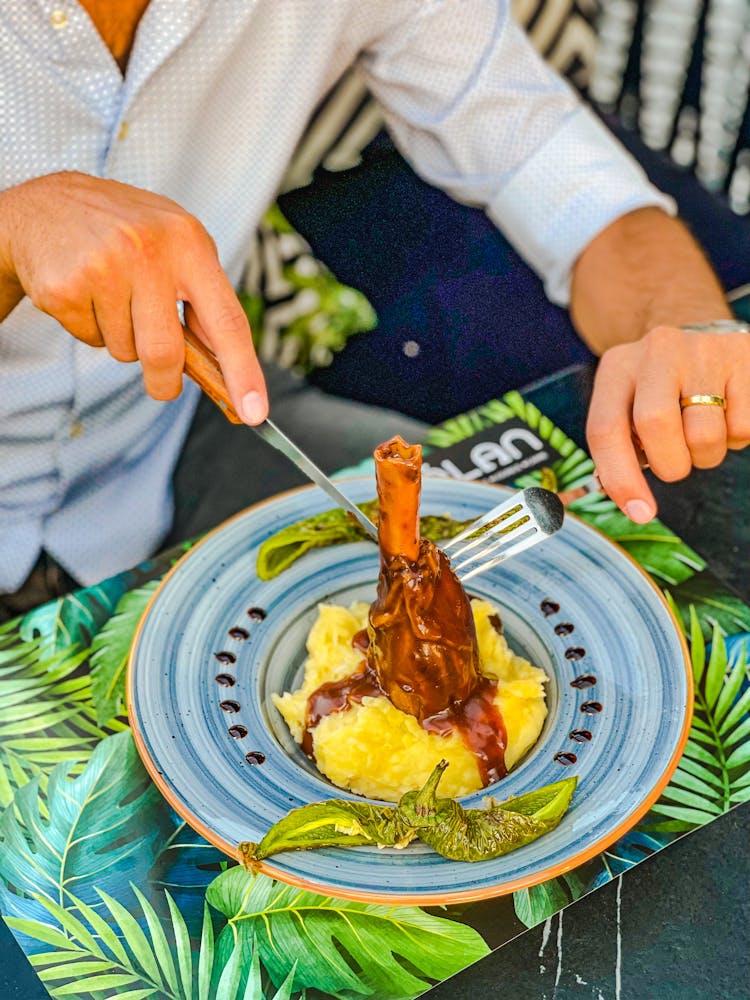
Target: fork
x: 524, y: 519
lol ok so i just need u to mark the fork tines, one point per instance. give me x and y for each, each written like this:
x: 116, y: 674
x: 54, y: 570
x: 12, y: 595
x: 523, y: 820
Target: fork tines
x: 519, y: 522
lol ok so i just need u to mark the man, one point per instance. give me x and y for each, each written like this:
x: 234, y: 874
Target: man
x: 139, y: 144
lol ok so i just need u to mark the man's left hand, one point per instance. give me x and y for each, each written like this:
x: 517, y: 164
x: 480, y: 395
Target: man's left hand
x: 636, y: 418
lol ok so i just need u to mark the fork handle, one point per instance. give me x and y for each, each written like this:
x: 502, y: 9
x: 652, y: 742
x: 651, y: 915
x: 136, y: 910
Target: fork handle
x: 202, y: 367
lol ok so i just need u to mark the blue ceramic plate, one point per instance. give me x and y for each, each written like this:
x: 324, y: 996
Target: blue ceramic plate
x: 233, y: 773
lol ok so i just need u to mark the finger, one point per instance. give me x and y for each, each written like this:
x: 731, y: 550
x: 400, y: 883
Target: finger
x: 114, y: 319
x: 219, y: 319
x: 737, y: 415
x: 82, y: 325
x: 158, y: 338
x: 657, y: 419
x: 705, y: 429
x: 608, y: 431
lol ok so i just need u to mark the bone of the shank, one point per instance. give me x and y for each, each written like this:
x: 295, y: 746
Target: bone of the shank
x: 398, y: 473
x: 423, y: 643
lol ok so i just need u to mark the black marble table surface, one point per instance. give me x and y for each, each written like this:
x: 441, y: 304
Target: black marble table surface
x: 677, y: 927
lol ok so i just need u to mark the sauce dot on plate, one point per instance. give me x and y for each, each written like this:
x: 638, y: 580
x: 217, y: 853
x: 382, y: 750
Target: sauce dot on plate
x: 575, y: 653
x: 591, y: 707
x: 564, y: 628
x: 584, y: 681
x: 580, y: 735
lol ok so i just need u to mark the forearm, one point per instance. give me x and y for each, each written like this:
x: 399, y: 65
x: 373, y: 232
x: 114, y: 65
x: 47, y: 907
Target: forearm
x: 644, y: 270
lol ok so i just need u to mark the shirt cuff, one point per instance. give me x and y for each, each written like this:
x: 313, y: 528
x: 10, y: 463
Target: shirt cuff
x: 571, y: 189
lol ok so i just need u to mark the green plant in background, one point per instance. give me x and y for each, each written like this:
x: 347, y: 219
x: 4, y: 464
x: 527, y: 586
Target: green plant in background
x: 301, y: 315
x: 715, y: 607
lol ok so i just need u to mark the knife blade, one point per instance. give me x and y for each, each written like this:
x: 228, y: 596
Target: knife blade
x: 274, y: 436
x: 202, y: 367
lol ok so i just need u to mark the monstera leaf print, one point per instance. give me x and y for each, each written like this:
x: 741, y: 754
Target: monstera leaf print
x: 98, y: 829
x: 72, y: 620
x: 295, y: 938
x: 343, y: 948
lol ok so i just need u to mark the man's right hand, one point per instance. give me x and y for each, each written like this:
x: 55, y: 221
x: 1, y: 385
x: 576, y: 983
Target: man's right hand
x: 110, y: 262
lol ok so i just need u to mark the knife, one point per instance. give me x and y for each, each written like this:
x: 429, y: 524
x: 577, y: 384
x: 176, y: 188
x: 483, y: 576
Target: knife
x: 202, y: 367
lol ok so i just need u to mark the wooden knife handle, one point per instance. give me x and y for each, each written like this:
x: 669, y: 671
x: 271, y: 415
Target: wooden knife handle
x: 202, y: 367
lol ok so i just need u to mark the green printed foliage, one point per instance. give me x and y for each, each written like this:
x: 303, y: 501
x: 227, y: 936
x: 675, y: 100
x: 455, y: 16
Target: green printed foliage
x: 46, y: 712
x: 93, y: 952
x: 714, y: 772
x: 343, y: 948
x: 97, y: 829
x: 72, y: 620
x: 459, y: 428
x: 535, y: 904
x: 714, y: 606
x: 185, y: 865
x: 110, y: 651
x: 657, y: 549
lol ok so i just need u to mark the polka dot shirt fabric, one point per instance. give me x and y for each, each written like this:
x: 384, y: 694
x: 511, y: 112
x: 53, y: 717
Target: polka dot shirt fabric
x: 215, y: 98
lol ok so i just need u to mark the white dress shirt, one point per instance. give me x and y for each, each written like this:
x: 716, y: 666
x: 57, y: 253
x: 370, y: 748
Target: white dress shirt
x: 215, y: 98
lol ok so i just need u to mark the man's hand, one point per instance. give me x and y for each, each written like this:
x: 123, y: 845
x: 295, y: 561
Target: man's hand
x: 110, y: 262
x: 636, y: 401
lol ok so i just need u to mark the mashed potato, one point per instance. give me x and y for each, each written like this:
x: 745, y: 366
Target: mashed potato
x: 378, y: 751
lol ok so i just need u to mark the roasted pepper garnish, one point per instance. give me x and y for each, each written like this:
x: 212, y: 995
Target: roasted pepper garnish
x: 449, y: 829
x: 335, y: 527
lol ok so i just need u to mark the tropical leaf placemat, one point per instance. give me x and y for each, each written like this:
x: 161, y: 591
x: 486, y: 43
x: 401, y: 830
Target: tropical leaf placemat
x: 111, y: 894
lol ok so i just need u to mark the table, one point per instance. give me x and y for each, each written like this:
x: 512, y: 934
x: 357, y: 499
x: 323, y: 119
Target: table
x: 678, y: 926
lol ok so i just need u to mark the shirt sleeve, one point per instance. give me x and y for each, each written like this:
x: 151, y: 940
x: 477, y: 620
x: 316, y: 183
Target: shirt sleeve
x: 479, y: 114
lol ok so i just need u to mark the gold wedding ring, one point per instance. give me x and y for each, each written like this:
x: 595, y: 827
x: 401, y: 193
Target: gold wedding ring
x: 703, y: 399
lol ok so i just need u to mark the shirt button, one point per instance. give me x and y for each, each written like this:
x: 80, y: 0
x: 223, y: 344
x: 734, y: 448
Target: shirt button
x: 123, y: 133
x: 411, y: 348
x: 76, y: 429
x: 58, y: 19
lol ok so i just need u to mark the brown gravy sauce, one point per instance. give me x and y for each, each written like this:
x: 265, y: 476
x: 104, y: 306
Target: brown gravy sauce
x: 477, y: 719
